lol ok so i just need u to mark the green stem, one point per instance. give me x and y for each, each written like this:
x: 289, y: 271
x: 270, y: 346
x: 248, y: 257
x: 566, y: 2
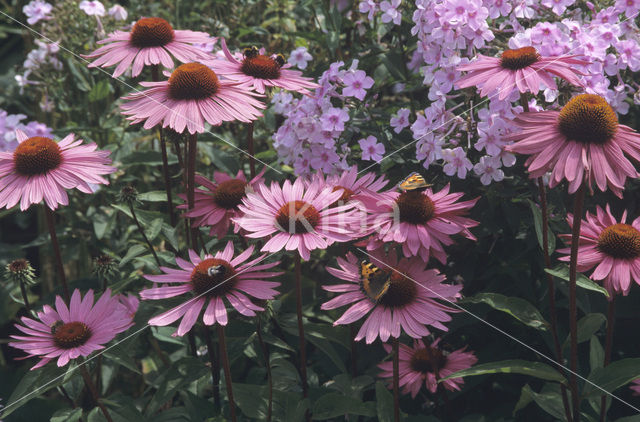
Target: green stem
x: 573, y: 311
x: 94, y: 392
x: 191, y: 185
x: 215, y: 368
x: 250, y: 150
x: 56, y: 251
x: 267, y: 363
x: 144, y: 236
x: 611, y: 317
x: 227, y: 370
x: 396, y: 379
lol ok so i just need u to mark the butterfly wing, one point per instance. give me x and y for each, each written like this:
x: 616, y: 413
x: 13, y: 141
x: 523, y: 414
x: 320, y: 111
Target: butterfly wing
x: 413, y: 181
x: 375, y: 282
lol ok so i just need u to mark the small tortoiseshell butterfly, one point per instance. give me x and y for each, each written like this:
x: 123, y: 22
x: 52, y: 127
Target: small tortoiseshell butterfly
x: 375, y: 282
x: 414, y: 181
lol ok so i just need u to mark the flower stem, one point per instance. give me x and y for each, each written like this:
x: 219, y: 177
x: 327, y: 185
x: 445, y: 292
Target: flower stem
x: 227, y: 370
x: 396, y: 379
x: 23, y: 290
x: 56, y: 251
x: 167, y: 179
x: 354, y: 352
x: 552, y: 291
x: 301, y: 341
x: 144, y: 236
x: 155, y: 76
x: 94, y: 392
x: 250, y: 150
x: 267, y: 365
x: 191, y: 184
x: 215, y: 368
x: 611, y: 317
x: 573, y: 311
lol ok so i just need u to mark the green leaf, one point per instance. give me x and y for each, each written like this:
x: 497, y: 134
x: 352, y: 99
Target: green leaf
x: 596, y: 354
x: 34, y: 384
x: 518, y: 308
x: 614, y: 376
x: 329, y: 350
x: 384, y: 403
x: 588, y: 325
x: 153, y: 230
x: 99, y: 91
x: 537, y: 222
x: 147, y: 158
x: 153, y: 196
x: 516, y: 366
x: 68, y: 415
x: 549, y: 401
x: 562, y: 272
x: 175, y: 379
x: 133, y: 251
x: 334, y: 405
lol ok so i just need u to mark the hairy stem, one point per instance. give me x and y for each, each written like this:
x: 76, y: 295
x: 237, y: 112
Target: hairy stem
x: 227, y: 370
x: 144, y: 236
x: 611, y: 317
x: 215, y: 368
x: 56, y: 251
x: 94, y: 392
x: 396, y: 379
x: 573, y: 312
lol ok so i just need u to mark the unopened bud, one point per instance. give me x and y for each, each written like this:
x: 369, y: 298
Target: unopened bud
x: 128, y: 194
x: 21, y: 271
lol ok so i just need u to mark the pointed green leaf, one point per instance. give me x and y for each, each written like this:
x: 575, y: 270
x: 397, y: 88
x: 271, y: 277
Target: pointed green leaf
x: 537, y: 222
x: 518, y: 308
x: 384, y: 403
x: 614, y: 376
x: 562, y: 272
x: 516, y: 366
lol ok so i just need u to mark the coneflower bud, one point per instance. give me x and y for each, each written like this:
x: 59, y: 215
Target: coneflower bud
x: 128, y: 194
x: 20, y: 271
x: 104, y: 266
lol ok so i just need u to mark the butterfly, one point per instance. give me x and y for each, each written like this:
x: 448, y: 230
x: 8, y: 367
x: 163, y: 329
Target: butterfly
x: 375, y: 282
x: 216, y: 270
x: 414, y: 181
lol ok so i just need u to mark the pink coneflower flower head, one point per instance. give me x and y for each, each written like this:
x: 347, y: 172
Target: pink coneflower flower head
x: 70, y: 332
x: 257, y: 69
x: 426, y: 364
x: 422, y: 221
x: 611, y: 246
x: 301, y: 216
x: 216, y: 203
x: 407, y: 304
x: 582, y: 141
x: 522, y: 69
x: 193, y: 95
x: 152, y: 41
x: 41, y: 168
x: 212, y: 279
x: 130, y: 303
x: 363, y: 190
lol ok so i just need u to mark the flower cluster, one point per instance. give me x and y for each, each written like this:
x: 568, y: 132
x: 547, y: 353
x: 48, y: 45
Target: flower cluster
x: 10, y: 122
x: 310, y: 137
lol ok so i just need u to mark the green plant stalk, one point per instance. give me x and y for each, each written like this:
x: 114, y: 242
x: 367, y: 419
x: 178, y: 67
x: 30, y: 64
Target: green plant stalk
x: 227, y: 370
x: 94, y: 392
x: 267, y: 363
x: 396, y: 379
x: 611, y: 317
x: 23, y: 290
x: 144, y: 236
x: 301, y: 340
x: 573, y: 311
x: 191, y: 184
x: 215, y: 368
x: 56, y: 252
x: 250, y: 150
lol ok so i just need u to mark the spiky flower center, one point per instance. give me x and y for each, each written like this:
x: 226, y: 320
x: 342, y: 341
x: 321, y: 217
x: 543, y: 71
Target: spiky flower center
x: 151, y: 32
x: 260, y: 66
x: 620, y: 241
x: 402, y: 291
x: 415, y: 207
x: 229, y: 194
x: 297, y: 217
x: 37, y: 155
x: 193, y: 81
x: 71, y: 334
x: 213, y: 277
x: 519, y: 58
x: 18, y: 265
x: 344, y: 198
x: 588, y: 119
x: 427, y: 359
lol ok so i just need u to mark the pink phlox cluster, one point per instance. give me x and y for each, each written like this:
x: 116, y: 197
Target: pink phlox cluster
x: 10, y: 122
x: 309, y: 139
